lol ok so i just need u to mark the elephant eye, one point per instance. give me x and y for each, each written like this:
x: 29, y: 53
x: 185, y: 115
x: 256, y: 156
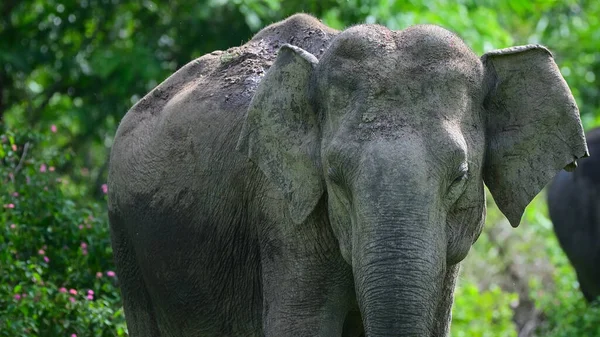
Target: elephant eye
x: 335, y: 175
x: 462, y: 176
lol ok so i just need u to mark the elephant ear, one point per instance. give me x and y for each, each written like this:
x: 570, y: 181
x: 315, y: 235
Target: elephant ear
x: 533, y: 126
x: 281, y: 132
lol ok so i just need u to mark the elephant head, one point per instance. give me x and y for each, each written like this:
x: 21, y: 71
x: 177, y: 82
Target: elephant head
x: 400, y: 130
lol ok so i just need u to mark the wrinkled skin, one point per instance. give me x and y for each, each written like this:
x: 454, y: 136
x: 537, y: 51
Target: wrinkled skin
x: 574, y: 207
x: 328, y: 187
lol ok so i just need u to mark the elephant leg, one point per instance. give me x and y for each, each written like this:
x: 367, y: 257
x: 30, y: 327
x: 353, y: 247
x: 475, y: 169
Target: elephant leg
x: 307, y: 285
x: 139, y: 312
x: 304, y: 300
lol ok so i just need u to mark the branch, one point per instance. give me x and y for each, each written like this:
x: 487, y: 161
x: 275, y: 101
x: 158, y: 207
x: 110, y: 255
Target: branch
x: 20, y: 165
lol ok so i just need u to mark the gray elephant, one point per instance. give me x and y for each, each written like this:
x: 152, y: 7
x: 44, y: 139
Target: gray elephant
x: 574, y: 207
x: 314, y: 182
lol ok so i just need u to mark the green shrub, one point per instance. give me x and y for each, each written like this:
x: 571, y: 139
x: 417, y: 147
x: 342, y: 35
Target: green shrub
x: 482, y: 313
x: 566, y: 313
x: 57, y: 274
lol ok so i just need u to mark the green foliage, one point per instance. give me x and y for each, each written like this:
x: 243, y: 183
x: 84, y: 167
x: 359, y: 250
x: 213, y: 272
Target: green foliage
x: 566, y: 313
x: 482, y: 313
x: 57, y: 277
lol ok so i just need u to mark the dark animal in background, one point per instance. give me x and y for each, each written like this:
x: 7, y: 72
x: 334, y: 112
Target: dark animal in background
x: 574, y: 207
x: 314, y: 182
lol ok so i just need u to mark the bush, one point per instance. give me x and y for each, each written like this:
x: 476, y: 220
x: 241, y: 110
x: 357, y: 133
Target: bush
x: 482, y: 313
x: 57, y: 277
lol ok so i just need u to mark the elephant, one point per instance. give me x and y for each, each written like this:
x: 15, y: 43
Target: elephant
x: 574, y: 208
x: 316, y: 182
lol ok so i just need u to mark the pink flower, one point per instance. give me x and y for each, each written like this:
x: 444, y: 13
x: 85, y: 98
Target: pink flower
x: 84, y: 252
x: 80, y: 226
x: 83, y: 245
x: 72, y: 299
x: 41, y: 252
x: 72, y: 291
x: 15, y: 194
x: 9, y: 206
x: 90, y: 297
x: 62, y: 290
x: 99, y: 274
x: 43, y: 168
x: 17, y: 297
x: 13, y: 226
x: 110, y: 273
x: 73, y: 335
x: 90, y: 292
x: 51, y: 169
x: 53, y: 128
x: 46, y: 259
x: 14, y: 147
x: 104, y: 188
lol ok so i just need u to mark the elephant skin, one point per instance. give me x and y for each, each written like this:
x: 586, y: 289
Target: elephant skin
x: 574, y: 207
x: 315, y: 182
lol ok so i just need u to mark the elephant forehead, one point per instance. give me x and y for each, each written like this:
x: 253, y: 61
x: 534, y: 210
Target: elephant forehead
x: 432, y: 56
x: 409, y: 102
x: 423, y: 55
x: 429, y: 77
x: 421, y: 43
x: 396, y: 122
x: 433, y: 43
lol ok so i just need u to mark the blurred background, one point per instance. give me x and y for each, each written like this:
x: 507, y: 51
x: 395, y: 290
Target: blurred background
x: 70, y: 69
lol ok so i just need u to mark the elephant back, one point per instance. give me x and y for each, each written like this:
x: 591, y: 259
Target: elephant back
x: 204, y: 101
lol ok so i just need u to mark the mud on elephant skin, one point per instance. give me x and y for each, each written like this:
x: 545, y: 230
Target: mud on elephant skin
x: 315, y: 182
x: 574, y: 207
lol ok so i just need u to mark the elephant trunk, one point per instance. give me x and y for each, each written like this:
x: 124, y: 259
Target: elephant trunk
x: 399, y: 265
x: 399, y: 243
x: 398, y: 279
